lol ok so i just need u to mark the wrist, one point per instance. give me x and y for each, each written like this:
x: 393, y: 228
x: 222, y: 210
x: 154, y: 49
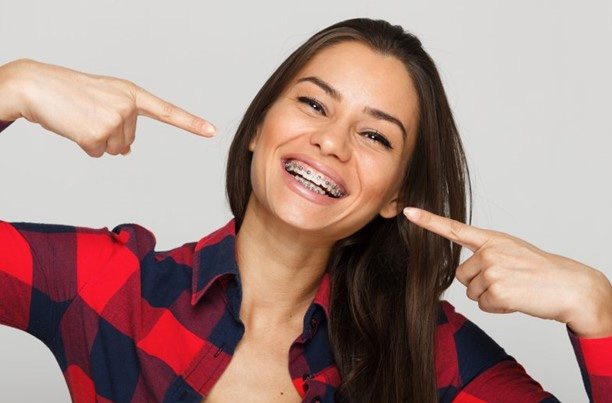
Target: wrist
x: 13, y: 90
x: 592, y: 317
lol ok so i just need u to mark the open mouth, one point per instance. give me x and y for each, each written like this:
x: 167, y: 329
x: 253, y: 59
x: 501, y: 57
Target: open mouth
x: 313, y: 180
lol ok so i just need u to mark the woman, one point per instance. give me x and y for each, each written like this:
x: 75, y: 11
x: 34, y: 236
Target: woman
x: 336, y: 282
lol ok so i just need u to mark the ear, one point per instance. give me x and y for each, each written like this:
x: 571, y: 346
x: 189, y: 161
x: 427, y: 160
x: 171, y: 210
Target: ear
x: 253, y: 142
x: 390, y: 210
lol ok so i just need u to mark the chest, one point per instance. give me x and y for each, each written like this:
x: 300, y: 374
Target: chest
x: 258, y: 371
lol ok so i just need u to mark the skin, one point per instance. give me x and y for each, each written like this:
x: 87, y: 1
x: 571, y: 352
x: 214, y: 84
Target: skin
x: 285, y: 239
x: 98, y: 113
x: 505, y: 274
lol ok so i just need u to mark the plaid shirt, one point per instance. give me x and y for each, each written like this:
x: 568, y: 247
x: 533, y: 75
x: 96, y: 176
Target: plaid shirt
x: 127, y: 323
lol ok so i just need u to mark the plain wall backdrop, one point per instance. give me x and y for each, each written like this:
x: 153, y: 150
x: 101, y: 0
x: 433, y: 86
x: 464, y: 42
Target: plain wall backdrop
x: 529, y: 84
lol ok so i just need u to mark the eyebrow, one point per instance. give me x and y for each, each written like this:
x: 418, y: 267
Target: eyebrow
x: 376, y: 113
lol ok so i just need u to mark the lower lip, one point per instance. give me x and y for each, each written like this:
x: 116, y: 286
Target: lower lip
x: 300, y: 189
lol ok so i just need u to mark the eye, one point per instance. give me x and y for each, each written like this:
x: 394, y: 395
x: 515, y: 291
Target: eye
x: 378, y: 137
x: 372, y: 135
x: 311, y: 102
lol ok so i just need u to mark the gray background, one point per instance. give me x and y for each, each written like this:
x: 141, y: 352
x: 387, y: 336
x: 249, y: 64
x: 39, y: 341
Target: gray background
x: 529, y: 84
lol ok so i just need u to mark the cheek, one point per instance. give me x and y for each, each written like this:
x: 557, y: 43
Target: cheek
x: 378, y: 179
x: 378, y: 186
x: 257, y: 172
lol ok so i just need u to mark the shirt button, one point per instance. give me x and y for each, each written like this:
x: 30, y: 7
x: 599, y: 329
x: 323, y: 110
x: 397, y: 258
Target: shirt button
x: 313, y: 322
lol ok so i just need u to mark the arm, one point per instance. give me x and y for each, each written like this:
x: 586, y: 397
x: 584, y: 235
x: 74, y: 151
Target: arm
x: 594, y: 357
x: 45, y: 267
x: 98, y: 113
x: 486, y: 373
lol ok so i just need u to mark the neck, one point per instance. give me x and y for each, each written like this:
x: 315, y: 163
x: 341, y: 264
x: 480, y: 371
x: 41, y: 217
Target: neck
x: 280, y: 269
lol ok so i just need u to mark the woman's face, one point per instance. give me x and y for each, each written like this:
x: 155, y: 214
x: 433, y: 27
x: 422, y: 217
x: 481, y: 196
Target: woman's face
x: 323, y: 120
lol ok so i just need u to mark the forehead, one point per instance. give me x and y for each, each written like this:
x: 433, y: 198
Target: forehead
x: 364, y: 77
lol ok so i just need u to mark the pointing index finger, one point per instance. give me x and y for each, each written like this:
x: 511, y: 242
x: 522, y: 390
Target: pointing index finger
x: 466, y: 235
x: 158, y: 109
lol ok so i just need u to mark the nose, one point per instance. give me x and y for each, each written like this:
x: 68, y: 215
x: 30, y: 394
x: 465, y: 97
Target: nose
x: 332, y: 140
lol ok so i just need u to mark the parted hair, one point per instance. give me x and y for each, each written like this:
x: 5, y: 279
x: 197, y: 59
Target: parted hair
x: 387, y: 278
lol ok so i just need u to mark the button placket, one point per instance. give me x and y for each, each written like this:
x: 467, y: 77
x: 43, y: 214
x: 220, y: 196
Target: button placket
x: 306, y: 377
x: 314, y: 322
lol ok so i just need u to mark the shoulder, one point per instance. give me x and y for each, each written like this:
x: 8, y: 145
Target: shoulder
x: 139, y: 239
x: 79, y: 243
x: 463, y: 350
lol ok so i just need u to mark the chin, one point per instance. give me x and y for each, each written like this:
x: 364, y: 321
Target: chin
x: 304, y: 219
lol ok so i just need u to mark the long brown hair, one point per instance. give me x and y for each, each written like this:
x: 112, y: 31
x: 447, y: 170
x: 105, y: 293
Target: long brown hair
x: 387, y: 278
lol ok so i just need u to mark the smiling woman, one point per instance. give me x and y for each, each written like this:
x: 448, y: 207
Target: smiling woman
x: 318, y: 288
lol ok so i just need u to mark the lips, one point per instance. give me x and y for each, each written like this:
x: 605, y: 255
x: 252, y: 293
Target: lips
x: 322, y: 169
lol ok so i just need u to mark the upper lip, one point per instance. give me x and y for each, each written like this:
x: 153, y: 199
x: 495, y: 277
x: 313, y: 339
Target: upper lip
x: 324, y: 169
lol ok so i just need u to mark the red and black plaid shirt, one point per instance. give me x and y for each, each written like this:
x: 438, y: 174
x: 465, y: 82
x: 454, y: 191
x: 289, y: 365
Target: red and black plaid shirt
x: 127, y: 323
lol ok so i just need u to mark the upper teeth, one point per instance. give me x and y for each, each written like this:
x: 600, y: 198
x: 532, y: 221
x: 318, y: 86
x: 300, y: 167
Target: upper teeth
x: 314, y: 176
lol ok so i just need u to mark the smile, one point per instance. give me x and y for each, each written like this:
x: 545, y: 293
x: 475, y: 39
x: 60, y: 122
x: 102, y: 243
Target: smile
x: 310, y: 183
x: 313, y: 179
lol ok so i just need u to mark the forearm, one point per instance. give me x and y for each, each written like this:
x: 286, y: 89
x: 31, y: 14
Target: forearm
x: 12, y: 97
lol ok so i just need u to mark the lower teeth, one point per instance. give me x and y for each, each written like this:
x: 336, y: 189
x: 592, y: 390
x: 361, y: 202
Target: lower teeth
x: 311, y: 186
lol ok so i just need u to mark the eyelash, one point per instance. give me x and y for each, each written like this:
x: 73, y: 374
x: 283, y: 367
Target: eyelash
x: 379, y: 137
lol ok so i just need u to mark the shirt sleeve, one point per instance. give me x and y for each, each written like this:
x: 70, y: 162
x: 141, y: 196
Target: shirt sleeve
x: 594, y: 356
x: 4, y: 124
x: 45, y: 267
x: 486, y: 373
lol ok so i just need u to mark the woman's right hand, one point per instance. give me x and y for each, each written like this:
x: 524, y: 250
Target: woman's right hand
x: 97, y: 112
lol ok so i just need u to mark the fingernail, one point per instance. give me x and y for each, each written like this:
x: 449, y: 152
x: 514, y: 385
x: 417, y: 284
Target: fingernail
x: 412, y: 212
x: 209, y: 128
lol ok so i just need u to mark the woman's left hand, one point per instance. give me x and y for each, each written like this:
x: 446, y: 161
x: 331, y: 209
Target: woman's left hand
x: 506, y: 274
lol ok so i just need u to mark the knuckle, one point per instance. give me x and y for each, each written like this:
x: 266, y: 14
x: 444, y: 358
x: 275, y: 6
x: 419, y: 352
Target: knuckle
x: 501, y: 238
x: 99, y: 137
x: 167, y: 110
x: 488, y: 256
x: 116, y: 121
x: 490, y: 274
x: 92, y: 151
x: 113, y: 151
x: 130, y: 139
x: 483, y: 305
x: 125, y: 108
x: 115, y: 147
x: 129, y: 85
x: 497, y: 291
x: 456, y: 228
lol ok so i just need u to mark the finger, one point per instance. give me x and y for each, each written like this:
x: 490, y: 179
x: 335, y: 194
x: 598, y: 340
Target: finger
x: 476, y: 286
x: 489, y: 302
x: 156, y: 108
x: 458, y: 232
x: 129, y: 133
x: 469, y: 269
x: 94, y: 149
x: 115, y: 143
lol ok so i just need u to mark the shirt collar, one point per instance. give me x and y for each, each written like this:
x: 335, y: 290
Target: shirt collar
x: 215, y: 256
